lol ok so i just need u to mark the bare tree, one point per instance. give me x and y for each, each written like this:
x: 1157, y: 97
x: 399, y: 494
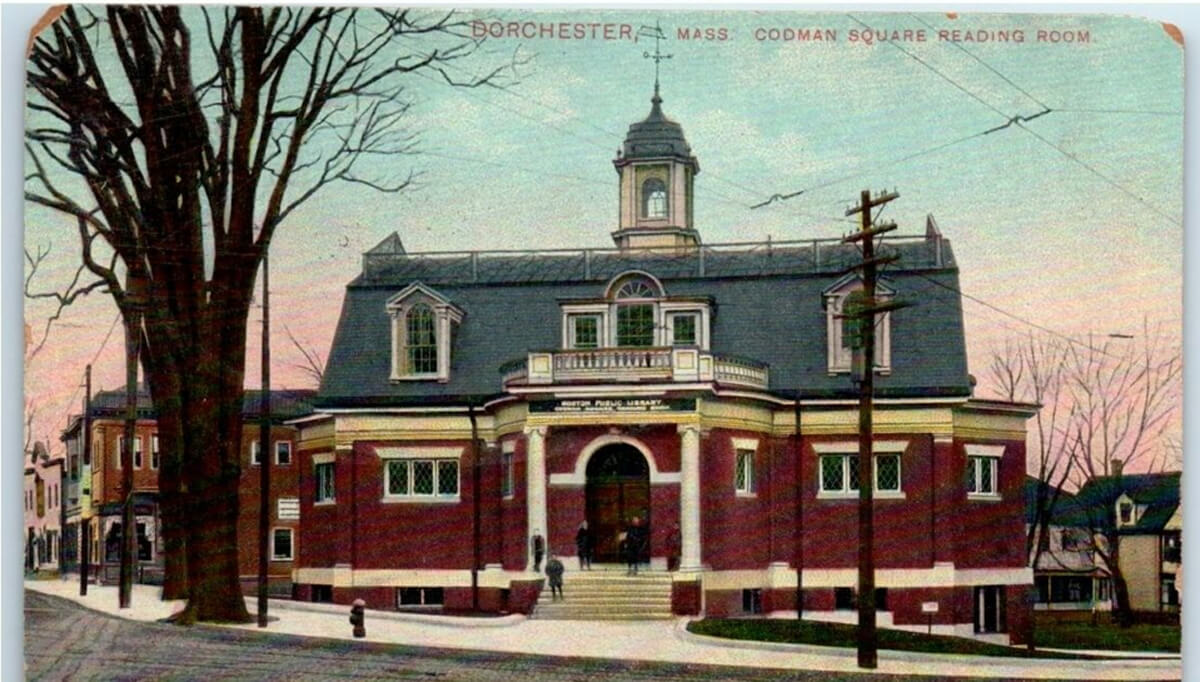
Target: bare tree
x: 178, y: 140
x: 1123, y: 395
x: 313, y: 366
x: 1033, y: 370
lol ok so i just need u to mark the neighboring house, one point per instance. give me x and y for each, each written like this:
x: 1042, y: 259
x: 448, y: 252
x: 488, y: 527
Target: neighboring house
x: 473, y: 401
x: 1066, y: 574
x: 43, y: 510
x: 94, y: 492
x: 1145, y: 512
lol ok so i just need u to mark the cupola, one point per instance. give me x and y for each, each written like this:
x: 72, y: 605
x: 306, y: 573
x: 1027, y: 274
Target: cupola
x: 657, y: 171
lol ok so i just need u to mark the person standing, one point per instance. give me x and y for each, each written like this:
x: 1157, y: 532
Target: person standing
x: 554, y: 571
x: 583, y: 546
x: 539, y: 550
x: 632, y: 546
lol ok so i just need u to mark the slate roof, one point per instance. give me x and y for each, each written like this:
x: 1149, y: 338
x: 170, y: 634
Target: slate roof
x: 285, y: 403
x: 767, y: 306
x: 1096, y: 500
x: 1063, y: 512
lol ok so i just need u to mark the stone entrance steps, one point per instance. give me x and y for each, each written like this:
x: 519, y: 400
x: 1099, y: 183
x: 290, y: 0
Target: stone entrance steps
x: 608, y: 594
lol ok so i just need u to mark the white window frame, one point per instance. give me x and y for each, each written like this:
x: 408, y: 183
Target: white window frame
x: 849, y: 450
x: 318, y: 465
x: 976, y: 452
x: 445, y: 314
x: 572, y: 330
x: 840, y: 358
x: 410, y: 456
x: 255, y: 455
x: 155, y: 453
x: 288, y: 447
x: 745, y: 452
x: 275, y: 556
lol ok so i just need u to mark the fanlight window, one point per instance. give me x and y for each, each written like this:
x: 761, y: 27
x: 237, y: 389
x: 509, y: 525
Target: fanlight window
x: 654, y: 199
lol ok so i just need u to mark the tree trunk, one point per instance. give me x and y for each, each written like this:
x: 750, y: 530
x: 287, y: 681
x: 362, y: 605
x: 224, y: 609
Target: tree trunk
x: 164, y: 391
x: 1123, y: 612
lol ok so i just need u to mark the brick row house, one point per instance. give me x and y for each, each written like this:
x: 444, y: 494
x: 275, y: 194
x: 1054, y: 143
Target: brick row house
x: 93, y: 487
x: 474, y: 401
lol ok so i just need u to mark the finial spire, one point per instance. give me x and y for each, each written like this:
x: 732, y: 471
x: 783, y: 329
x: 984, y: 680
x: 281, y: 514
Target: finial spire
x: 658, y: 35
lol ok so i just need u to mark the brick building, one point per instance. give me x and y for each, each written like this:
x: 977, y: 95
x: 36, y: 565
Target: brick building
x: 93, y: 487
x: 473, y: 401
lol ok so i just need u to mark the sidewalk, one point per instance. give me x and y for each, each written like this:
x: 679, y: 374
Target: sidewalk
x: 637, y: 640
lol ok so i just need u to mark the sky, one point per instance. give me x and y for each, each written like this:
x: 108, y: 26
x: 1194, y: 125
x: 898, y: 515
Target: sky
x: 1068, y: 222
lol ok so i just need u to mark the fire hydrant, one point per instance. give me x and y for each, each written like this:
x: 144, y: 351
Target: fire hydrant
x: 357, y: 618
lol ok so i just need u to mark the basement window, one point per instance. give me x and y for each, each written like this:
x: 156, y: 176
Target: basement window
x: 407, y: 597
x: 752, y: 600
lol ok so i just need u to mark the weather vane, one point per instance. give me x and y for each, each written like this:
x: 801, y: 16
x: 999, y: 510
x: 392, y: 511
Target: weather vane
x: 656, y: 33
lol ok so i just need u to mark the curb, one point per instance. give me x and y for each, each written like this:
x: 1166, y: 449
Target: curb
x: 685, y: 635
x: 423, y: 618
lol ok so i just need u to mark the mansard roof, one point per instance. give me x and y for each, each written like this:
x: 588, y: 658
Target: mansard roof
x: 768, y: 305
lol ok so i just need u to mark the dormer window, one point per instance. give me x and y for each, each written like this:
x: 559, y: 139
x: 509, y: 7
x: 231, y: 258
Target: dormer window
x: 841, y: 332
x: 422, y: 324
x: 654, y: 198
x: 1128, y: 513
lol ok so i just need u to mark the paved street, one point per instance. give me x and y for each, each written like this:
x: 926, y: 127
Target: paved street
x: 65, y: 641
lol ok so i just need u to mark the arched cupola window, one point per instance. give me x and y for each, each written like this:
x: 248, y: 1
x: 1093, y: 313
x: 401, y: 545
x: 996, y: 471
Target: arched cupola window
x: 654, y: 198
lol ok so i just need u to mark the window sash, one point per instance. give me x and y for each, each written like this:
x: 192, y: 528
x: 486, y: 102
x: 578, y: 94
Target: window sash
x: 506, y: 484
x: 839, y: 473
x: 154, y: 452
x: 744, y: 472
x: 684, y: 329
x: 635, y: 325
x: 283, y: 452
x: 421, y: 477
x: 284, y: 534
x: 585, y: 331
x: 420, y: 340
x: 255, y: 453
x: 982, y: 475
x: 324, y: 475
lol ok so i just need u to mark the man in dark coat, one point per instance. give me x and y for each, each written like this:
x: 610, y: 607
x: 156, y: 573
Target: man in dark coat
x: 554, y: 571
x: 583, y: 546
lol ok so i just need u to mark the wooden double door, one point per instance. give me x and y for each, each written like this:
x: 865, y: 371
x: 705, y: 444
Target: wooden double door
x: 618, y: 489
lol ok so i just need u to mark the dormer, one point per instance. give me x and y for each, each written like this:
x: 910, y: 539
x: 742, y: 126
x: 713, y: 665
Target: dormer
x: 839, y: 331
x: 423, y: 323
x: 657, y: 171
x: 634, y: 311
x: 1127, y: 512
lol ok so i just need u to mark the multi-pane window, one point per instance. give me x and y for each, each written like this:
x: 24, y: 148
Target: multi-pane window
x: 323, y: 476
x: 421, y: 477
x: 154, y: 452
x: 506, y: 481
x: 283, y: 452
x: 585, y: 331
x: 281, y: 544
x: 839, y: 473
x: 683, y: 330
x: 419, y: 596
x: 981, y: 475
x: 744, y: 472
x: 635, y: 325
x: 421, y: 340
x: 654, y: 198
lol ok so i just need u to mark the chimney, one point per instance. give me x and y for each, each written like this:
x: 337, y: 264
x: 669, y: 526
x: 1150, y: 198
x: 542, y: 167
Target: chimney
x: 1116, y: 467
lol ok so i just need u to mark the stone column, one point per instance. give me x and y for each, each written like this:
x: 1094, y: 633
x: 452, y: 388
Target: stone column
x: 535, y: 490
x: 689, y: 497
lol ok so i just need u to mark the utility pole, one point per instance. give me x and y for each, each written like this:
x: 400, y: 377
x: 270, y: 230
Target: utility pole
x: 264, y: 451
x: 863, y: 312
x: 133, y: 334
x: 85, y: 432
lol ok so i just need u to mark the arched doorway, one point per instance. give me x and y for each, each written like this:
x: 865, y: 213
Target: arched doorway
x: 618, y: 488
